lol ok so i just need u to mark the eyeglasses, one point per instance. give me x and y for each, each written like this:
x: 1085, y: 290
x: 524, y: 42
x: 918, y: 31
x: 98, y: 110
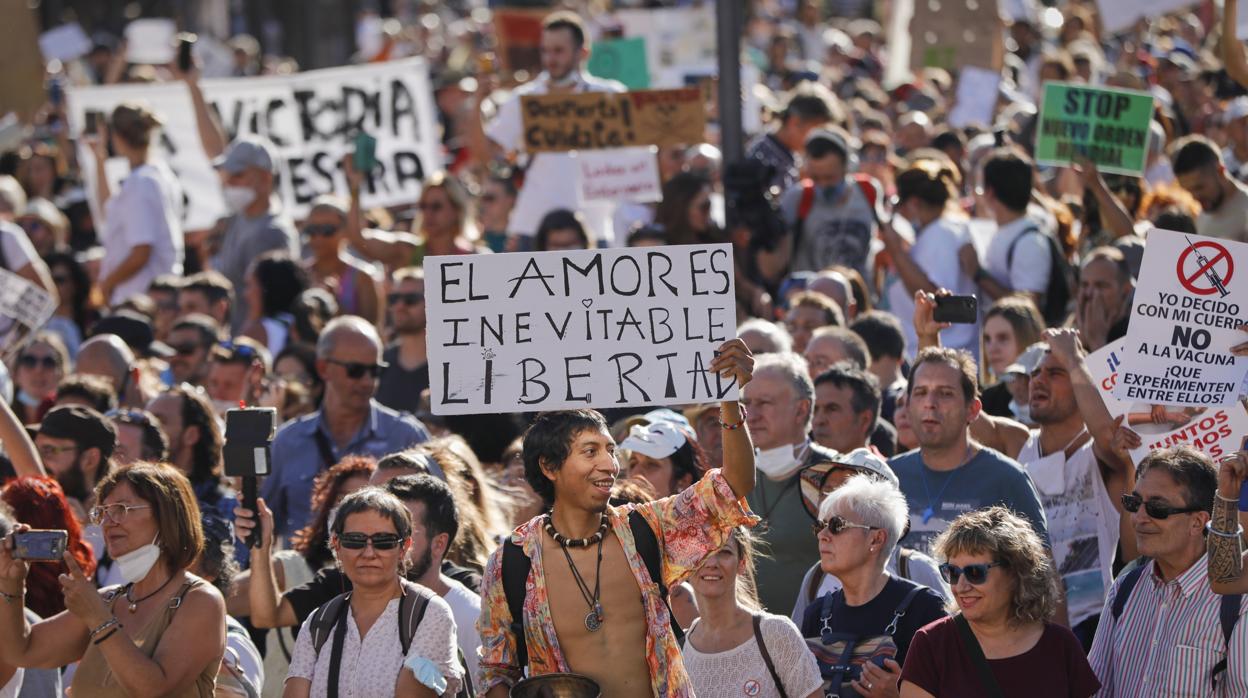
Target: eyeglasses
x: 32, y: 361
x: 1155, y: 510
x: 380, y: 541
x: 184, y: 349
x: 356, y: 370
x: 321, y: 230
x: 47, y: 451
x: 975, y: 574
x: 115, y: 512
x: 406, y: 298
x: 835, y: 525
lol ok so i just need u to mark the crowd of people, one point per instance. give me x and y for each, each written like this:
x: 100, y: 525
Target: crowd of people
x: 895, y: 506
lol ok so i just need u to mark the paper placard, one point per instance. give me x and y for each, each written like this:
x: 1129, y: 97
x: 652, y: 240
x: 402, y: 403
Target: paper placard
x: 150, y: 40
x: 24, y: 308
x: 621, y: 59
x: 1121, y: 15
x: 64, y: 43
x: 624, y: 174
x: 954, y: 34
x: 1216, y: 431
x: 676, y: 37
x: 519, y: 32
x: 1191, y: 298
x: 976, y: 101
x: 628, y: 327
x: 1108, y: 126
x: 597, y: 120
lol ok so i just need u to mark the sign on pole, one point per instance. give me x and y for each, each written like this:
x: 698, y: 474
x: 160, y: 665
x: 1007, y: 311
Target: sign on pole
x: 621, y: 59
x: 1107, y: 126
x: 604, y: 328
x: 1184, y: 321
x: 598, y: 120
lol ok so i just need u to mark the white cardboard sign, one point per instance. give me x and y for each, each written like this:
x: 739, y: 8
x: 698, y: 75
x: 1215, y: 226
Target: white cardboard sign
x: 150, y: 40
x: 1213, y: 430
x: 1120, y: 15
x: 621, y: 174
x: 64, y: 43
x: 627, y: 327
x: 24, y: 308
x: 1189, y: 303
x: 976, y: 101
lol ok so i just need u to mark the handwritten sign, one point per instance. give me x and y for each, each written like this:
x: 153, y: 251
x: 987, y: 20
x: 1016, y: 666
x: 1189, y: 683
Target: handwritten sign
x: 1188, y: 306
x: 1109, y: 127
x: 624, y: 174
x: 954, y: 34
x: 592, y: 328
x: 597, y: 120
x: 24, y: 308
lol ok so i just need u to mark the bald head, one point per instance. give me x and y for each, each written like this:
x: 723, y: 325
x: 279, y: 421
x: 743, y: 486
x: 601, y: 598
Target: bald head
x: 106, y: 355
x: 834, y: 285
x: 348, y: 329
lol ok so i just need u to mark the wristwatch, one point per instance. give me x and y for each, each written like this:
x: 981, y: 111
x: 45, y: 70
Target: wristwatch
x: 979, y: 275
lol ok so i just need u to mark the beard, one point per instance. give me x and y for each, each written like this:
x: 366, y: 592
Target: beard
x: 74, y: 483
x: 421, y: 565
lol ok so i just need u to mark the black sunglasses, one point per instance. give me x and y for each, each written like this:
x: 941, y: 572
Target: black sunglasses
x: 380, y: 541
x: 407, y: 298
x: 32, y: 361
x: 184, y: 349
x: 324, y: 229
x: 835, y: 525
x: 1155, y: 510
x: 357, y: 370
x: 975, y: 574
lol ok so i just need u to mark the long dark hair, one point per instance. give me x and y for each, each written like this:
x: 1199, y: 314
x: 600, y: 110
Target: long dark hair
x: 80, y: 301
x: 673, y: 212
x: 281, y: 280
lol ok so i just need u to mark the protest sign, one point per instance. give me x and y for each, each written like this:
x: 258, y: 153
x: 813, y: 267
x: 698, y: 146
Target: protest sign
x: 592, y: 328
x: 24, y: 308
x: 976, y: 101
x: 1121, y: 15
x: 954, y: 34
x: 151, y: 40
x: 597, y: 120
x: 1184, y: 321
x: 1216, y: 431
x: 64, y: 43
x: 621, y: 59
x: 623, y: 174
x: 21, y: 79
x: 676, y: 38
x: 1107, y: 126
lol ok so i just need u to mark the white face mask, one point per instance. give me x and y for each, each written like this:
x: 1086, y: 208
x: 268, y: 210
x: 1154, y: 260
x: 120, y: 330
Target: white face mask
x: 777, y: 463
x: 1021, y: 412
x: 238, y: 198
x: 1049, y: 473
x: 135, y: 564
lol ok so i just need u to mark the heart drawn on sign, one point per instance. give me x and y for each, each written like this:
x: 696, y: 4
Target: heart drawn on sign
x: 587, y: 302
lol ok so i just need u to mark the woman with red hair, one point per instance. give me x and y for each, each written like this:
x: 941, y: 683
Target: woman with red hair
x: 39, y: 502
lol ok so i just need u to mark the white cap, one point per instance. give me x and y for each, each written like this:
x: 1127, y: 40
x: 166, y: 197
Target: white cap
x: 1236, y: 109
x: 1028, y: 360
x: 865, y: 459
x: 656, y: 440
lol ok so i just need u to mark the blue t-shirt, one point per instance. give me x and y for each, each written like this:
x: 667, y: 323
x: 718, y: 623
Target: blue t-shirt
x: 937, y: 498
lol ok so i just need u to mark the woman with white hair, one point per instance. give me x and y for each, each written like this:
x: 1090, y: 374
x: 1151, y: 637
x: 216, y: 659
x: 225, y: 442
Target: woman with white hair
x: 860, y: 633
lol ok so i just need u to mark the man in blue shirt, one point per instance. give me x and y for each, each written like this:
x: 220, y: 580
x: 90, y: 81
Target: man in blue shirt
x: 350, y: 422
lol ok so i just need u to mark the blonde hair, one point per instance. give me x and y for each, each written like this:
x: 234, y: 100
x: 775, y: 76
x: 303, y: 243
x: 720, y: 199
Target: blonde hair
x: 748, y: 548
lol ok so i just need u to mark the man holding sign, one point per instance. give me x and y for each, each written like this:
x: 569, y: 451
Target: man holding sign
x: 620, y: 638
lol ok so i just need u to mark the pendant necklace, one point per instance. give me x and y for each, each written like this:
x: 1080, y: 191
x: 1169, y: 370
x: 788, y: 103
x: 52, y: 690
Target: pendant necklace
x: 134, y: 603
x: 594, y: 619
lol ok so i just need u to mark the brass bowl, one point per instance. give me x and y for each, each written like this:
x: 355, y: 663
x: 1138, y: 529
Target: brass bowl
x: 557, y: 686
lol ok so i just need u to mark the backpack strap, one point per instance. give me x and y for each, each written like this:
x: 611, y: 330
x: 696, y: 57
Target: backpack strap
x: 901, y: 609
x: 647, y: 545
x: 516, y: 566
x: 324, y: 448
x: 1228, y: 615
x: 986, y: 679
x: 1009, y: 253
x: 807, y: 202
x: 325, y: 618
x: 1130, y: 577
x: 816, y: 581
x: 762, y: 649
x: 411, y: 611
x: 335, y: 654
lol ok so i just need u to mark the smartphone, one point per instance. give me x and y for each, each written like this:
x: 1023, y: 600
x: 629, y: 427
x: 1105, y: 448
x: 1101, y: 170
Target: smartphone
x: 92, y: 125
x: 365, y: 156
x: 248, y: 438
x: 186, y: 43
x: 962, y: 310
x: 44, y: 546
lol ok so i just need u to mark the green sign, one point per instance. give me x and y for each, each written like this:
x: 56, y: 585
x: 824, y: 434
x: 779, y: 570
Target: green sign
x: 1107, y: 126
x: 621, y: 59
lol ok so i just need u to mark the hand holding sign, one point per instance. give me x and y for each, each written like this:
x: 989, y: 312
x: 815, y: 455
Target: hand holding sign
x: 734, y: 360
x: 1241, y: 349
x: 1232, y: 471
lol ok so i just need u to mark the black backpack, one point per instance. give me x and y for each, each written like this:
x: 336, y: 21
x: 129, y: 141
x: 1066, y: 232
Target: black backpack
x: 516, y: 566
x: 1056, y: 300
x: 1228, y: 613
x: 330, y: 619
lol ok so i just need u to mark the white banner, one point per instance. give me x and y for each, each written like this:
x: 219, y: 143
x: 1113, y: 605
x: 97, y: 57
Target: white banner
x: 1215, y: 431
x: 310, y: 117
x: 1184, y: 321
x: 620, y: 174
x: 592, y: 328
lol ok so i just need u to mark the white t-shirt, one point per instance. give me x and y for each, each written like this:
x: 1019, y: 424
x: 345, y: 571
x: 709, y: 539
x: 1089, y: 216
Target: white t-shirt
x: 935, y: 250
x: 146, y: 211
x: 1083, y: 523
x: 551, y: 178
x: 16, y: 245
x: 741, y: 670
x: 1028, y: 268
x: 465, y: 607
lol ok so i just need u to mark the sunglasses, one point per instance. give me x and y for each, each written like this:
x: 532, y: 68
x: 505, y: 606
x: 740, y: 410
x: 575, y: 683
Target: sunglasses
x: 322, y: 230
x: 184, y: 349
x: 32, y: 361
x: 406, y: 298
x: 380, y: 541
x: 1155, y: 510
x: 975, y: 574
x: 835, y: 525
x: 357, y: 370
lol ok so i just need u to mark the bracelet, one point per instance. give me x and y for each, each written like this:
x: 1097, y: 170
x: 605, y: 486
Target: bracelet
x: 105, y: 637
x: 738, y: 425
x: 1228, y: 500
x: 104, y: 626
x: 10, y: 598
x: 1225, y: 534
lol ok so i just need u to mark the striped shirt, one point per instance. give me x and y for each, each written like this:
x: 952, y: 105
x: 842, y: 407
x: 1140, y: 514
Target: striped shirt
x: 1168, y: 639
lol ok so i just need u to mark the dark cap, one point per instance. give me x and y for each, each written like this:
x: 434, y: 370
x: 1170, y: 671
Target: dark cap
x: 821, y: 139
x: 82, y: 425
x: 136, y: 331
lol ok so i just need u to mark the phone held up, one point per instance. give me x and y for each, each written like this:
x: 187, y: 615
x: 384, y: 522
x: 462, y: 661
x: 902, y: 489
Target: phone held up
x: 40, y: 545
x: 962, y: 310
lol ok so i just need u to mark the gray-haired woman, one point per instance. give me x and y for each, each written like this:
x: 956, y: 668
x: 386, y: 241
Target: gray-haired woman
x: 360, y: 636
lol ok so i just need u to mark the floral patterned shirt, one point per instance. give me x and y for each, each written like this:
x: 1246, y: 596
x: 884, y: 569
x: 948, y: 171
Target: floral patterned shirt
x: 689, y: 526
